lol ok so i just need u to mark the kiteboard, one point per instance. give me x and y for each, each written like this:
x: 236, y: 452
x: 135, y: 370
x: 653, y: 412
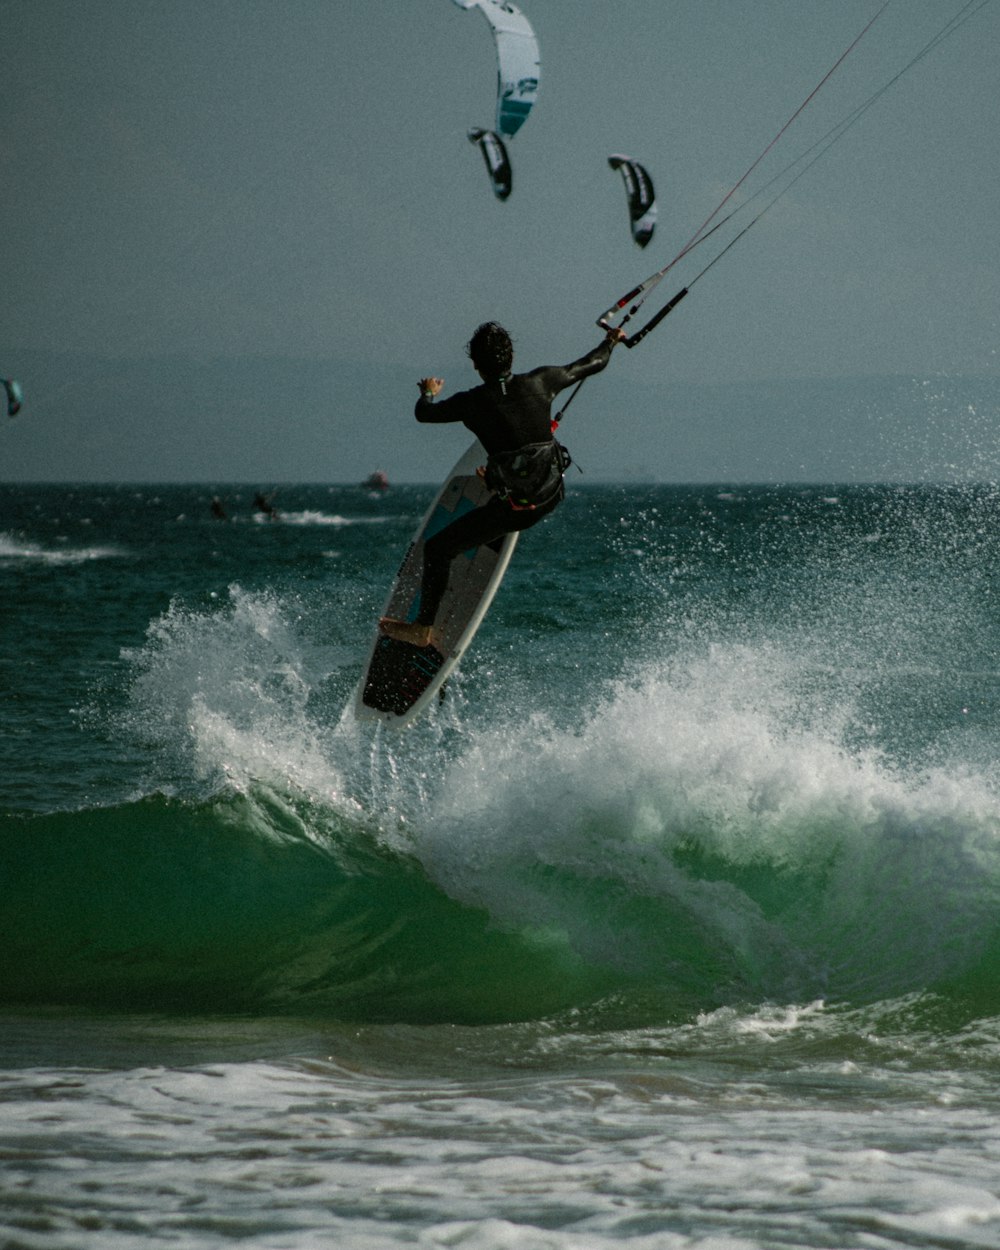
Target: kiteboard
x: 401, y: 679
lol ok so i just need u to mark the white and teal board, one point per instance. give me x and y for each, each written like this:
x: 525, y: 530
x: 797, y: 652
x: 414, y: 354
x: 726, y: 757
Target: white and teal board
x: 400, y: 679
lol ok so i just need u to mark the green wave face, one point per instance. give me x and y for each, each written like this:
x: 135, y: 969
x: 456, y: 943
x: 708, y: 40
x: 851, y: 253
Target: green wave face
x: 649, y: 898
x: 229, y: 906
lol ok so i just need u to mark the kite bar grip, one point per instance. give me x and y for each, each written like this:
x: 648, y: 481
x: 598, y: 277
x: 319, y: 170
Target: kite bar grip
x: 653, y: 322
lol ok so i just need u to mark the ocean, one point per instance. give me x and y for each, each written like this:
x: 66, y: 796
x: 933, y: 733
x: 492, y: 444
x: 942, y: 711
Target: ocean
x: 674, y: 924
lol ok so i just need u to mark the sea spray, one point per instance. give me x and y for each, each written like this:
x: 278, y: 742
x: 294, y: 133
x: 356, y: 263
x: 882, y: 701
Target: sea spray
x: 224, y: 694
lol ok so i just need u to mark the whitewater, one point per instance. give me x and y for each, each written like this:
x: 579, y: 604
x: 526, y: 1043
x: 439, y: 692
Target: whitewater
x: 675, y: 924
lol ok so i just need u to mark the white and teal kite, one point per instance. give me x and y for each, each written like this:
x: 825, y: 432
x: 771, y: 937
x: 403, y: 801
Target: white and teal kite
x: 518, y: 69
x: 517, y: 61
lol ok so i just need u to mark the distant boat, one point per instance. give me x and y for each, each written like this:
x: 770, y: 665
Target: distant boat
x: 379, y: 480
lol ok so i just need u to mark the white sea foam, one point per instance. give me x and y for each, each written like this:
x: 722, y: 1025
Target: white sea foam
x: 312, y: 516
x: 15, y: 548
x: 700, y: 771
x: 226, y: 695
x: 368, y: 1148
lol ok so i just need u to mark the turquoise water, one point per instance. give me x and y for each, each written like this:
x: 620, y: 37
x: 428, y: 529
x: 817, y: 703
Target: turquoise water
x: 676, y: 922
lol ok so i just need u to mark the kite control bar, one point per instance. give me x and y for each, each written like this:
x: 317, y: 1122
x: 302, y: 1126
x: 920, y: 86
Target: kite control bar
x: 639, y: 335
x: 652, y: 323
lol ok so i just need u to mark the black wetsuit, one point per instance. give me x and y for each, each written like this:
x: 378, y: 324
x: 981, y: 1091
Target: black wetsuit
x: 504, y: 416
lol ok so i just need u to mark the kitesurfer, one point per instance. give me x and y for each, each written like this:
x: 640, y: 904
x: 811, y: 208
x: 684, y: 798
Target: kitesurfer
x: 510, y: 414
x: 262, y: 504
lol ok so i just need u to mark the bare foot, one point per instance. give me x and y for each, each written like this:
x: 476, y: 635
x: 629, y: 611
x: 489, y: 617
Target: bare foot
x: 407, y: 631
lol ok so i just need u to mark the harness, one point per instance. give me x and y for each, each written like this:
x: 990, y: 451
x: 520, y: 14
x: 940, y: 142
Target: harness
x: 529, y: 477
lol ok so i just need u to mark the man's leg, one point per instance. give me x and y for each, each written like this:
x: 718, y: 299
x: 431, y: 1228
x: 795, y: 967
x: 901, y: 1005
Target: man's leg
x: 483, y: 525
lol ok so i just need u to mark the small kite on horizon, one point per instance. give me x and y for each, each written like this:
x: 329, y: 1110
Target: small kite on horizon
x: 15, y: 396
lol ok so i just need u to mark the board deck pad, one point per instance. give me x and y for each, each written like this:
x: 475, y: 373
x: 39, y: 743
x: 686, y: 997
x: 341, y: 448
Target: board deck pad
x: 400, y: 679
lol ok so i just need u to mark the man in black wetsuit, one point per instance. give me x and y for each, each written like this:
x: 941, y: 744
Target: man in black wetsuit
x: 510, y: 414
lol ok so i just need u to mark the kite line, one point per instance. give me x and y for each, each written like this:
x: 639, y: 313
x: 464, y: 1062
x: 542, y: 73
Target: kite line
x: 638, y: 295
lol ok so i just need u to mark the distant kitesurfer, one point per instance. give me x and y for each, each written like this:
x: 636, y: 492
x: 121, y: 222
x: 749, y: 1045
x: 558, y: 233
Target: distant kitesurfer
x: 510, y: 414
x: 262, y: 503
x: 218, y: 511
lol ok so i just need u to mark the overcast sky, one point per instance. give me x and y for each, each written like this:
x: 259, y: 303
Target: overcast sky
x: 292, y: 179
